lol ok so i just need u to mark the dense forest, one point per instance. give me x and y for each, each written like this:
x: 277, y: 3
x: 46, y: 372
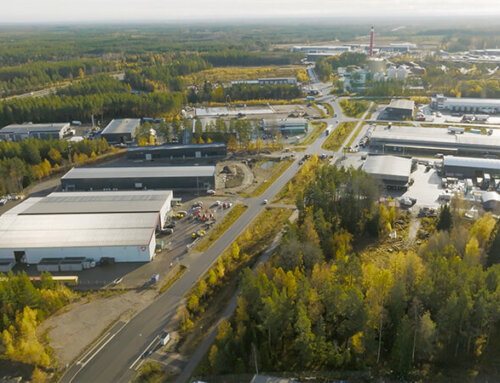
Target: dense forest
x: 243, y: 58
x: 21, y: 163
x: 24, y: 305
x: 243, y: 92
x: 320, y: 305
x: 30, y: 77
x: 165, y: 76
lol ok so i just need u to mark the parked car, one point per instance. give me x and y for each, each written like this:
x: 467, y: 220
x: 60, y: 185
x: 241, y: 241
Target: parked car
x: 170, y: 225
x: 210, y: 192
x: 265, y: 202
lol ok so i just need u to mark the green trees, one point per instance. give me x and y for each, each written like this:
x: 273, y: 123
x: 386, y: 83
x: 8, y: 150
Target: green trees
x: 445, y: 218
x: 112, y: 104
x: 325, y: 67
x: 33, y: 76
x: 401, y: 311
x: 354, y: 108
x: 24, y: 305
x: 23, y: 162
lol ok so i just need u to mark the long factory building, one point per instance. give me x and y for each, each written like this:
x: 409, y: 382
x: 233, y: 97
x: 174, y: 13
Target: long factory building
x: 177, y: 178
x: 174, y: 152
x: 95, y: 225
x: 413, y: 140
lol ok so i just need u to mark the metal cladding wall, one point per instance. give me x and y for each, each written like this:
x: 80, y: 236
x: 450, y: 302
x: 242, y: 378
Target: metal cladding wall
x: 138, y: 183
x: 177, y: 152
x: 467, y: 172
x: 119, y: 253
x: 117, y: 138
x: 398, y: 114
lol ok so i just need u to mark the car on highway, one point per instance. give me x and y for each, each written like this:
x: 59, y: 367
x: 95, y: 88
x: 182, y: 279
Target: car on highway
x: 164, y: 338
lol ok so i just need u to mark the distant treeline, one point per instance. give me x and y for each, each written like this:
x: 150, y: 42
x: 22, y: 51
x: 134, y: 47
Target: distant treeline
x: 29, y: 77
x: 81, y: 107
x: 165, y: 76
x: 244, y: 92
x: 244, y: 58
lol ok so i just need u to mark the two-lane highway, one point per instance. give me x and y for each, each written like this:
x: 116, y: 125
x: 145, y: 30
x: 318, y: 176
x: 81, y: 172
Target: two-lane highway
x: 116, y: 359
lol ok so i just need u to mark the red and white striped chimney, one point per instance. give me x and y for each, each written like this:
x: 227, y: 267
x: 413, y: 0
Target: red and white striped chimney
x: 372, y: 33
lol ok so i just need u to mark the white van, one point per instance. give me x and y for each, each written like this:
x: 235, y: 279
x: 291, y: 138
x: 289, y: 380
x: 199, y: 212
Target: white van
x: 164, y: 338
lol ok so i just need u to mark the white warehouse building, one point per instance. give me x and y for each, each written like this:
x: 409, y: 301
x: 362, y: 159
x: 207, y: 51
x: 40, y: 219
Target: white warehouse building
x: 118, y: 225
x: 471, y: 105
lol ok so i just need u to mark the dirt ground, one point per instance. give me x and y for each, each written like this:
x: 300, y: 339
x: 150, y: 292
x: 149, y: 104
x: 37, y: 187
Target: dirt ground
x: 244, y: 173
x: 91, y: 317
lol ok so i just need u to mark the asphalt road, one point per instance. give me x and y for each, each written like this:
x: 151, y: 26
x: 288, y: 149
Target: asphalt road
x: 117, y: 358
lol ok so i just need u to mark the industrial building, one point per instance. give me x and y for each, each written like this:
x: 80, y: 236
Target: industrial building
x: 468, y: 167
x: 406, y: 140
x: 185, y: 178
x: 491, y: 201
x: 120, y: 131
x: 268, y: 81
x: 398, y: 110
x: 331, y: 49
x: 197, y: 152
x: 287, y: 127
x: 106, y: 202
x: 80, y: 226
x: 466, y: 105
x: 19, y: 132
x: 393, y: 171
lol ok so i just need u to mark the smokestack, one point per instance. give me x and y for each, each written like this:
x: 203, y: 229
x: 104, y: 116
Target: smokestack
x: 372, y: 32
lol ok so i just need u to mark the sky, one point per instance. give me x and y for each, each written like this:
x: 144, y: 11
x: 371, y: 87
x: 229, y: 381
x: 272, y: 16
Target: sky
x: 43, y: 11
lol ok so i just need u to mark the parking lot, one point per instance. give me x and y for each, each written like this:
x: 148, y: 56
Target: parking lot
x: 426, y: 187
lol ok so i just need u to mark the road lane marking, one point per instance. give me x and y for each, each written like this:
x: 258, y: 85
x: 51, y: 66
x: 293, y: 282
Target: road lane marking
x: 144, y: 352
x: 82, y: 364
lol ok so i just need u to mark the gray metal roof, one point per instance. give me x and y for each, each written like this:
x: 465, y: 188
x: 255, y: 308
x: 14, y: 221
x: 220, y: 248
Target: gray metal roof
x: 51, y: 127
x: 490, y: 196
x: 388, y: 166
x: 82, y: 230
x: 471, y: 101
x: 434, y: 136
x: 140, y: 172
x: 402, y: 104
x: 122, y: 125
x: 143, y: 201
x: 469, y: 162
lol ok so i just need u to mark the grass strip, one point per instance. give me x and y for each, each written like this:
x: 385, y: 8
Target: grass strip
x: 318, y: 128
x: 280, y: 169
x: 338, y: 136
x: 170, y: 282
